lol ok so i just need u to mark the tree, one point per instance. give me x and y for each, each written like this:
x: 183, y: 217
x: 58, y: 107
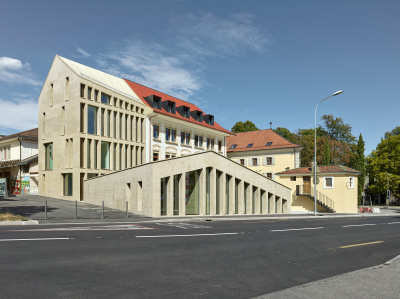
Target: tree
x: 383, y: 161
x: 360, y: 165
x: 394, y: 132
x: 336, y: 129
x: 244, y: 127
x: 327, y: 156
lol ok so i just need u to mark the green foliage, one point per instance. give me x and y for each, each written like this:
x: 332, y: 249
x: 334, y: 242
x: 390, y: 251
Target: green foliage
x: 327, y: 156
x: 360, y: 165
x: 394, y: 132
x: 336, y: 129
x: 285, y: 133
x: 383, y: 161
x: 244, y: 127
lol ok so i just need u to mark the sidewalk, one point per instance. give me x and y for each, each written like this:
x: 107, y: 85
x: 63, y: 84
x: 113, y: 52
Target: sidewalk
x: 63, y: 211
x: 376, y: 282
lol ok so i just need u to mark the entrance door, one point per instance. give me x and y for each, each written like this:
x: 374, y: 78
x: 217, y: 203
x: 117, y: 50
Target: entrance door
x: 306, y: 185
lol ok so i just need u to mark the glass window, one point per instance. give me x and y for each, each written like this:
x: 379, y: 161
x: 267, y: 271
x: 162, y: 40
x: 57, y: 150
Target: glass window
x: 200, y: 141
x: 156, y: 156
x: 196, y: 140
x: 328, y: 182
x: 105, y: 99
x: 351, y: 182
x: 173, y: 136
x: 182, y: 137
x: 241, y: 161
x: 269, y: 143
x: 96, y: 95
x: 212, y: 144
x: 105, y: 155
x: 167, y: 134
x: 208, y: 142
x: 220, y: 146
x: 254, y: 161
x: 89, y: 157
x: 67, y: 184
x: 92, y: 120
x: 269, y: 161
x: 188, y: 139
x: 89, y: 95
x: 49, y: 156
x: 83, y: 90
x: 155, y: 132
x: 250, y: 145
x: 232, y: 146
x: 293, y: 178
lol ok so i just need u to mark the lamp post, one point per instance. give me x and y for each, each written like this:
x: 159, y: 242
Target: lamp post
x: 315, y: 151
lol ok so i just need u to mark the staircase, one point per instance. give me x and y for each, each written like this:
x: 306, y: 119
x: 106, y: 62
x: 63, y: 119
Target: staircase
x: 322, y: 200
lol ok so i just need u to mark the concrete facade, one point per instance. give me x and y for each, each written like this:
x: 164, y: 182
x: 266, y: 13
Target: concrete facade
x: 162, y: 188
x: 84, y: 114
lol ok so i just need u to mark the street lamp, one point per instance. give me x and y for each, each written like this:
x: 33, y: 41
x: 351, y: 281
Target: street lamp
x: 315, y: 151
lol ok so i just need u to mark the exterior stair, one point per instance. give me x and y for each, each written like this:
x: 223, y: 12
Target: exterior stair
x: 322, y: 200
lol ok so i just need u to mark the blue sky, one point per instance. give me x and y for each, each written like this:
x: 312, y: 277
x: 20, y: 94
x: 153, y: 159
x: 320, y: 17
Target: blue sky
x: 264, y: 61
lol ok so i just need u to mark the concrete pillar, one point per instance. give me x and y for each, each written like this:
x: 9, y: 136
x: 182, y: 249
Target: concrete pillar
x: 85, y: 118
x: 170, y: 196
x: 241, y: 198
x: 257, y: 201
x: 203, y: 191
x: 182, y: 194
x: 84, y: 152
x: 222, y: 195
x: 213, y: 193
x: 250, y: 200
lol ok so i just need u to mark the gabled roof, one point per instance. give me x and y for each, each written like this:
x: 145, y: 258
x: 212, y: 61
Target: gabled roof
x: 143, y: 92
x: 30, y: 134
x: 333, y: 169
x: 109, y: 81
x: 259, y: 139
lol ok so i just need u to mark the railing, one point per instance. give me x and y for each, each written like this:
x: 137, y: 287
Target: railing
x: 309, y: 191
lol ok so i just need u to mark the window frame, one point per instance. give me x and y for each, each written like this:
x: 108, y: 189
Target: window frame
x: 351, y: 186
x: 156, y: 131
x: 329, y: 187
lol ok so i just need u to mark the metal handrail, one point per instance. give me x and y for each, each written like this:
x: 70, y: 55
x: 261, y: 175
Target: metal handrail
x: 309, y: 191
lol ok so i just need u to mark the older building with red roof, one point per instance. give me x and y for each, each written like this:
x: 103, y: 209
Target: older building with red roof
x: 177, y: 127
x: 264, y: 151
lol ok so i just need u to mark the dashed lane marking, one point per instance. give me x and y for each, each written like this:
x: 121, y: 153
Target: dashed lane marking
x: 291, y: 229
x: 195, y: 235
x: 367, y: 224
x: 35, y: 239
x: 88, y: 228
x: 361, y: 244
x: 183, y: 225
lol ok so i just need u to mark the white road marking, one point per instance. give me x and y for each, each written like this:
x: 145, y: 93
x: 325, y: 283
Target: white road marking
x: 36, y: 239
x: 183, y: 225
x: 85, y: 228
x: 358, y: 225
x: 195, y: 235
x: 286, y: 230
x: 392, y: 222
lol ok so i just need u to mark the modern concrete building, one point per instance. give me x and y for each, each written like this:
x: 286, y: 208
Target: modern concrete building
x: 264, y: 151
x: 206, y: 183
x: 90, y: 123
x: 336, y: 189
x: 19, y: 162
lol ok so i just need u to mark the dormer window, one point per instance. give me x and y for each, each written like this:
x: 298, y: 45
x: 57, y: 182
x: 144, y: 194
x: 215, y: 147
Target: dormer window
x: 268, y: 144
x: 209, y: 119
x: 198, y: 115
x: 171, y: 107
x: 250, y: 145
x: 156, y: 102
x: 233, y: 146
x: 186, y: 112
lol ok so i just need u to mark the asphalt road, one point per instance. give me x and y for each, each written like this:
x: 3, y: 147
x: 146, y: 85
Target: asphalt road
x: 226, y: 259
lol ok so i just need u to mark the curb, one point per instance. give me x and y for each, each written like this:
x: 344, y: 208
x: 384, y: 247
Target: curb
x: 29, y: 222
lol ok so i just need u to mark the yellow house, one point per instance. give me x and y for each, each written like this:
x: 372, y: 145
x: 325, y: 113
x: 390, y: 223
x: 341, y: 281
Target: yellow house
x: 336, y: 189
x: 264, y: 151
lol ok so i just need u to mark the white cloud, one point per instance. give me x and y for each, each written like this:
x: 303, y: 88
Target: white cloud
x: 152, y: 65
x: 83, y: 53
x: 209, y: 35
x: 20, y: 114
x: 13, y: 71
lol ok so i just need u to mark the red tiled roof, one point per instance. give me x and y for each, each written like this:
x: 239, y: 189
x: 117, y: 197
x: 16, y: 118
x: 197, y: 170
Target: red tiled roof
x: 31, y: 134
x: 143, y: 91
x: 259, y: 139
x: 322, y: 169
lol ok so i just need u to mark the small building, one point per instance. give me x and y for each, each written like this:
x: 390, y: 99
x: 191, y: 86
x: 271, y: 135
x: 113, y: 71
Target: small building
x: 19, y: 162
x: 336, y: 188
x: 264, y: 151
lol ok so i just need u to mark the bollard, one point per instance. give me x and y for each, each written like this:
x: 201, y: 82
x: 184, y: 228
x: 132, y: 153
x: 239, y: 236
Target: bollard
x: 76, y: 209
x: 127, y: 216
x: 102, y: 211
x: 45, y: 210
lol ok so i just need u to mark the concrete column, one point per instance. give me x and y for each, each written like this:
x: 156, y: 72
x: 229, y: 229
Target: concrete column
x: 257, y: 201
x: 118, y: 126
x: 84, y: 152
x: 98, y: 129
x: 241, y: 198
x: 250, y: 200
x: 232, y: 196
x: 170, y: 196
x: 156, y: 198
x: 264, y: 196
x: 182, y: 194
x: 213, y: 193
x: 222, y: 195
x: 85, y: 118
x: 203, y: 191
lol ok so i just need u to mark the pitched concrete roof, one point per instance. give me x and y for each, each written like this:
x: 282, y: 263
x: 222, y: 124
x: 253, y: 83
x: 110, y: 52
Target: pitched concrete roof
x: 30, y: 134
x: 143, y: 92
x: 259, y: 139
x: 323, y: 169
x: 109, y: 81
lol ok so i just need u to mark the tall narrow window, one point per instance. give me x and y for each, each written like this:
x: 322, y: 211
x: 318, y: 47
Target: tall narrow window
x: 220, y: 146
x: 200, y: 141
x: 196, y: 140
x: 105, y: 99
x: 89, y: 93
x: 208, y: 143
x: 182, y: 137
x: 141, y: 130
x: 212, y: 144
x: 96, y: 144
x: 156, y: 132
x: 89, y: 153
x: 105, y: 155
x: 82, y: 90
x: 167, y: 134
x: 96, y: 95
x: 63, y: 120
x: 126, y: 126
x: 173, y: 136
x: 92, y: 120
x: 81, y: 151
x: 187, y: 138
x: 108, y: 123
x: 120, y: 156
x: 115, y: 157
x: 51, y: 94
x: 115, y: 125
x: 48, y: 156
x: 102, y: 112
x: 67, y: 184
x: 120, y: 126
x: 67, y: 88
x: 82, y: 118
